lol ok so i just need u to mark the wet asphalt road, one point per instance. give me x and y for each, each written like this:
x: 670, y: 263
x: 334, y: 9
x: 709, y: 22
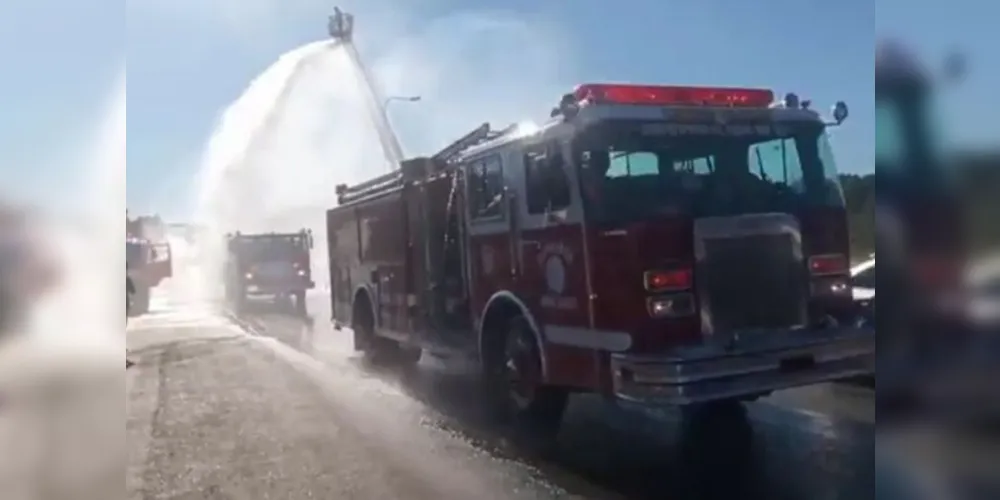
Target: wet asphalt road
x: 808, y: 444
x: 288, y: 412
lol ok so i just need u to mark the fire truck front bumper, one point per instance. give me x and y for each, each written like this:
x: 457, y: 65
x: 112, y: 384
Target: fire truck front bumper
x: 275, y: 288
x: 751, y: 365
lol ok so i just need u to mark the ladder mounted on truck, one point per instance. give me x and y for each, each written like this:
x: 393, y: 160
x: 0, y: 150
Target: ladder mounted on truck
x: 418, y: 168
x: 341, y: 30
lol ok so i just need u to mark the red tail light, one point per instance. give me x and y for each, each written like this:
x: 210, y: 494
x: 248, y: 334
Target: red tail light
x: 829, y: 265
x: 668, y: 280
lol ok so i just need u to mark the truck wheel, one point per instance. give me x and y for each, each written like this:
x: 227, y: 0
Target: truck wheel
x: 140, y: 302
x: 513, y: 379
x: 300, y: 303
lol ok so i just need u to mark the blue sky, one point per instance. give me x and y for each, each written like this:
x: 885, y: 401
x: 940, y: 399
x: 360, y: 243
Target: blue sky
x: 189, y: 58
x: 60, y: 59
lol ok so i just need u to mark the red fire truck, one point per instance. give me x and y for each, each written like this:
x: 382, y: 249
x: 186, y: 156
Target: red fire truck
x: 276, y: 265
x: 663, y: 245
x: 148, y: 261
x: 147, y: 264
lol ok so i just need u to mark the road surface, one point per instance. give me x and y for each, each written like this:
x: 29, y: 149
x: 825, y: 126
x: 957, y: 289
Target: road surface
x: 273, y: 409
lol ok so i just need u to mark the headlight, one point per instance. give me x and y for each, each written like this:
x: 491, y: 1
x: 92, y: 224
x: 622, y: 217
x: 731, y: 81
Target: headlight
x: 671, y: 306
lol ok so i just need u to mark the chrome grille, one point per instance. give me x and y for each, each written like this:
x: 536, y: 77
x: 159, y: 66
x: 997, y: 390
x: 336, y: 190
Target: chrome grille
x: 752, y: 282
x: 275, y: 271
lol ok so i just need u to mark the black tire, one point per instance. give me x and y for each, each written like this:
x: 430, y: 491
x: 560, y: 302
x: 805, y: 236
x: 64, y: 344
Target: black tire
x: 300, y: 305
x: 139, y: 302
x: 528, y: 404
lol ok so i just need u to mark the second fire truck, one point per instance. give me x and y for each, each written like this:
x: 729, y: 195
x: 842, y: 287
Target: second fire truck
x: 147, y: 264
x: 274, y: 265
x: 679, y: 246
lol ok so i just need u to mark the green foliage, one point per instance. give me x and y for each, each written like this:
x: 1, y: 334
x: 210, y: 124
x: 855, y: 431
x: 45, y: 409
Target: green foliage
x: 860, y: 194
x: 978, y: 184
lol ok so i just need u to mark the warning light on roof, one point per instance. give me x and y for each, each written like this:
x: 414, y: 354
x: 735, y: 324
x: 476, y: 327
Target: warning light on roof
x: 668, y: 95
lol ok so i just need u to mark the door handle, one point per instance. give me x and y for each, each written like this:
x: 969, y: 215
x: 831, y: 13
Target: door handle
x: 535, y: 244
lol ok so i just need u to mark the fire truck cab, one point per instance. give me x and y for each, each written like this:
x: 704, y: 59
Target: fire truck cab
x: 663, y: 245
x: 147, y: 264
x: 270, y: 264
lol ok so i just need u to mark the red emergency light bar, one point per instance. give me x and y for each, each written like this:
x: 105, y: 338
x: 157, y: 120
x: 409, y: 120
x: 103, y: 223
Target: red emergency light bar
x: 669, y: 95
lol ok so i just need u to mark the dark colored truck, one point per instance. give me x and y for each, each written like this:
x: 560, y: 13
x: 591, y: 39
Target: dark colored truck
x: 147, y: 264
x: 276, y: 265
x: 677, y: 246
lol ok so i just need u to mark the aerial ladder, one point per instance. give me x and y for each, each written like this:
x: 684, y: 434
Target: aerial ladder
x: 341, y: 31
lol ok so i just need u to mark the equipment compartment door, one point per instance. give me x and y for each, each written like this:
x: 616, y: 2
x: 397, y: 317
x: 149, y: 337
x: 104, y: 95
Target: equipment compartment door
x: 490, y: 228
x: 554, y: 263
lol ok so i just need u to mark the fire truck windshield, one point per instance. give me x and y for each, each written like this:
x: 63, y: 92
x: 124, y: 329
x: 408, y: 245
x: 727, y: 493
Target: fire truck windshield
x: 270, y: 248
x: 634, y: 172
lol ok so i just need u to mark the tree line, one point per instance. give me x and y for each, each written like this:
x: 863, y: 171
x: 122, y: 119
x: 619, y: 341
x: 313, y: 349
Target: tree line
x: 859, y: 190
x: 977, y: 179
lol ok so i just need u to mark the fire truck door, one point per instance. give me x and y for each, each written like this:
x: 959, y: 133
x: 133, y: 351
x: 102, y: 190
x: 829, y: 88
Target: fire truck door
x: 162, y: 260
x: 555, y: 272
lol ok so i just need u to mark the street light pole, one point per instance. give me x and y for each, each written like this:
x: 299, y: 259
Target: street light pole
x: 397, y: 98
x: 341, y: 30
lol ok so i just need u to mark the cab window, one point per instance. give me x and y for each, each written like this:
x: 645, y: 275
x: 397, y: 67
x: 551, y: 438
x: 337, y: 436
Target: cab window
x: 486, y: 188
x: 547, y: 183
x: 636, y: 164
